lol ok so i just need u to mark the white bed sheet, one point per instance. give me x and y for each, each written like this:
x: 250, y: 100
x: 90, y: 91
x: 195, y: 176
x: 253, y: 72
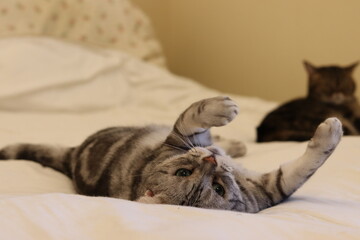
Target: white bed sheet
x: 40, y: 203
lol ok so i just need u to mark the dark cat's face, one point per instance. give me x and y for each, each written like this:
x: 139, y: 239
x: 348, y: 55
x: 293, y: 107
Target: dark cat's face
x: 331, y: 84
x: 201, y: 177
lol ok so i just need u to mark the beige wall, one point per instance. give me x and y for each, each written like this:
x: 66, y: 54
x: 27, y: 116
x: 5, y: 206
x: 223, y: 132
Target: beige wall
x: 255, y: 48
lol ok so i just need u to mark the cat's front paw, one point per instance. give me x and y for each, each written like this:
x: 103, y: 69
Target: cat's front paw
x: 327, y: 136
x: 218, y: 111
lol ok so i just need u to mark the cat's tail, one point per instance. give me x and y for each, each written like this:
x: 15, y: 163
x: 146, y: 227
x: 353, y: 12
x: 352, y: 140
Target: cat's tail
x: 56, y: 157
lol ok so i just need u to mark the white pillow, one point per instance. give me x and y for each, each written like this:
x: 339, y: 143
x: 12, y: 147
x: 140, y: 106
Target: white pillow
x: 47, y: 74
x: 115, y: 24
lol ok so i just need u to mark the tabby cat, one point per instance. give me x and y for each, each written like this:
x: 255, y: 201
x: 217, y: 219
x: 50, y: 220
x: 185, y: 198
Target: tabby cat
x: 179, y: 165
x: 330, y: 94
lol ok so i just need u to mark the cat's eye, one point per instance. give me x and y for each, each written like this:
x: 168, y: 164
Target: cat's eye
x: 183, y: 172
x: 218, y: 189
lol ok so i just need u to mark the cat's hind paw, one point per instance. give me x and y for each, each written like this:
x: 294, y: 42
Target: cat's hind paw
x: 233, y: 148
x: 327, y: 136
x: 236, y: 149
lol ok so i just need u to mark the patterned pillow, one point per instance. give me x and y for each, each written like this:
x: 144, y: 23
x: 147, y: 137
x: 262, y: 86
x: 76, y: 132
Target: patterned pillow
x: 113, y: 24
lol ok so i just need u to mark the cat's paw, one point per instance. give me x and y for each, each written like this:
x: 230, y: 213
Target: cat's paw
x: 236, y: 149
x: 218, y: 111
x: 327, y: 136
x: 233, y: 148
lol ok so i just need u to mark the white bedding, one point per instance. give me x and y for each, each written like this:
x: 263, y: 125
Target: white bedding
x: 56, y: 92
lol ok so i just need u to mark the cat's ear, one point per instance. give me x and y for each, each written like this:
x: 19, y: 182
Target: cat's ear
x: 351, y: 68
x: 310, y: 69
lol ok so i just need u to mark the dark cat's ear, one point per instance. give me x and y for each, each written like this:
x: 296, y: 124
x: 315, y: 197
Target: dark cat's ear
x: 310, y: 69
x: 351, y: 68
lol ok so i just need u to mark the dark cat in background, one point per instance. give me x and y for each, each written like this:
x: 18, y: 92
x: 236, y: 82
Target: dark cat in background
x: 331, y: 92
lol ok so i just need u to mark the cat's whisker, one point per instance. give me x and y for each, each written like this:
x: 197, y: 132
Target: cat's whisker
x: 181, y: 130
x: 142, y: 175
x: 193, y: 148
x: 175, y: 147
x: 196, y: 142
x: 181, y: 139
x: 195, y: 152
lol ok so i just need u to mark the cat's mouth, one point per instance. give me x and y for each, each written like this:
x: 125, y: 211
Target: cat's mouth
x: 150, y: 197
x: 149, y: 193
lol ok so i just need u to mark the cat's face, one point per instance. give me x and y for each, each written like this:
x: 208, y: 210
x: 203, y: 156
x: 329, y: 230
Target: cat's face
x: 201, y: 177
x: 331, y: 84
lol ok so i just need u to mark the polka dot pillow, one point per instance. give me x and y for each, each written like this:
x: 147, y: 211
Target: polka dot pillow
x: 113, y: 24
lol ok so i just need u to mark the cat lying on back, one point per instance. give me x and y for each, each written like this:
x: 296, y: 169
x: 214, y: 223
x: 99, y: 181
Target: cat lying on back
x: 330, y: 94
x: 179, y: 165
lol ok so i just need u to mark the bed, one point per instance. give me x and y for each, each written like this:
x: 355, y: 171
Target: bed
x: 58, y: 86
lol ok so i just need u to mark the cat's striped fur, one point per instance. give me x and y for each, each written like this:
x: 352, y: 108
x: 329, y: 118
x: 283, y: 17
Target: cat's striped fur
x: 179, y: 165
x: 331, y: 93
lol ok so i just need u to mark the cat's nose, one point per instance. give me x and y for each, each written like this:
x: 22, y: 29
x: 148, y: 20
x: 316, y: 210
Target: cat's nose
x: 210, y: 159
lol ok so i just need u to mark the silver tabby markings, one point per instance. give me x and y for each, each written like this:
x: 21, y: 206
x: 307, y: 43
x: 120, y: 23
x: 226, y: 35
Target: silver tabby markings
x: 180, y: 165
